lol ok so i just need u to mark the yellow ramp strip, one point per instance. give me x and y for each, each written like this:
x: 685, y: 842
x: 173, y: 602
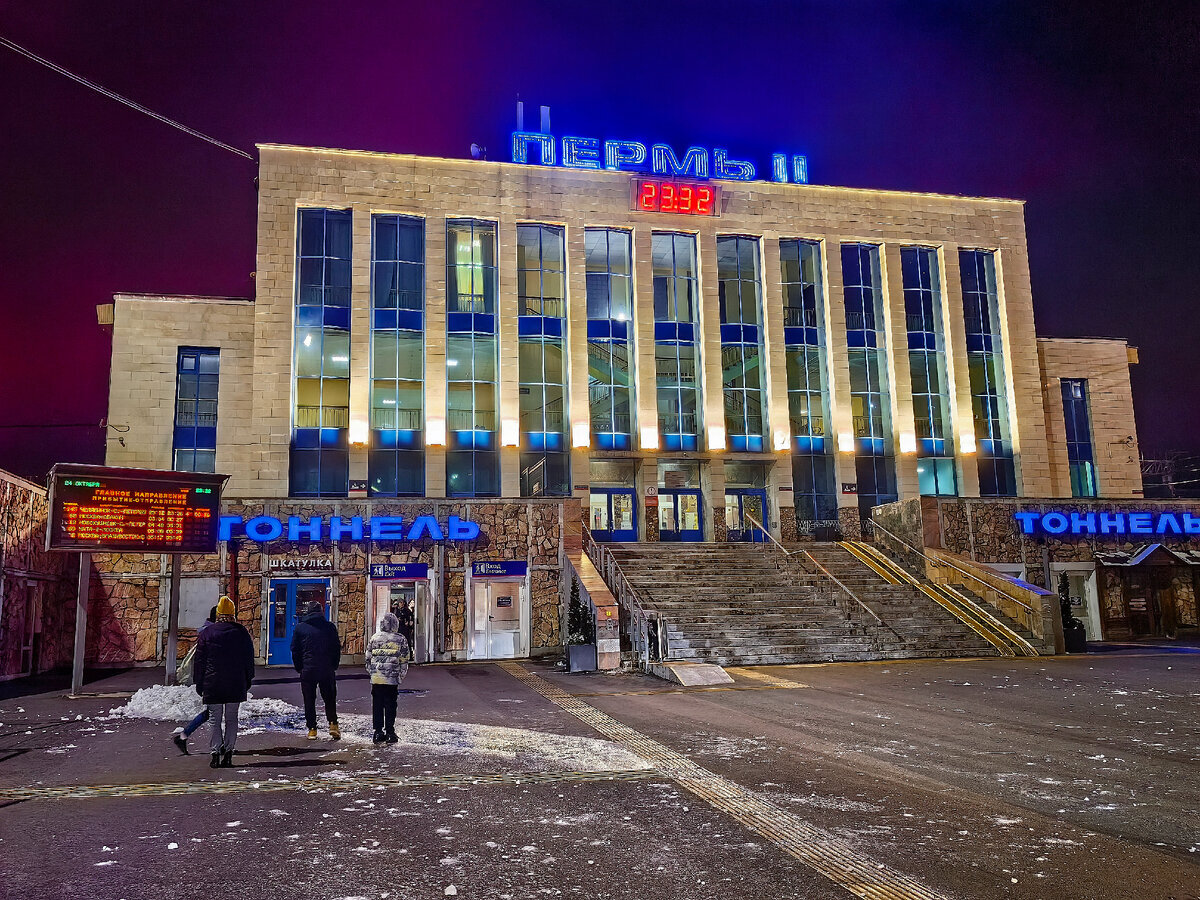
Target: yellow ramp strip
x: 1014, y: 639
x: 819, y: 850
x: 764, y: 678
x: 985, y: 633
x: 868, y: 562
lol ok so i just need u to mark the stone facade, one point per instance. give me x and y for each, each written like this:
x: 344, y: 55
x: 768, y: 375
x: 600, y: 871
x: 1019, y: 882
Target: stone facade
x: 1105, y: 366
x: 37, y: 587
x: 255, y: 338
x: 129, y: 592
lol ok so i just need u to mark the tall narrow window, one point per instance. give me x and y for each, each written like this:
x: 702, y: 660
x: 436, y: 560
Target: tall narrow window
x: 609, y: 312
x: 813, y: 478
x: 472, y: 458
x: 320, y: 455
x: 738, y: 286
x: 195, y: 439
x: 927, y: 367
x: 676, y: 353
x: 1079, y: 437
x: 985, y: 366
x: 874, y: 462
x: 396, y: 464
x: 541, y: 366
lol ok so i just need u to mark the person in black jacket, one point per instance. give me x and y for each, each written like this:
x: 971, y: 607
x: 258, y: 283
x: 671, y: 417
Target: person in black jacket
x: 224, y: 671
x: 316, y: 654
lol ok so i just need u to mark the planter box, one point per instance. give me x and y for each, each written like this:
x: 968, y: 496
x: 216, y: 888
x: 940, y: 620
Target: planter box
x: 581, y: 657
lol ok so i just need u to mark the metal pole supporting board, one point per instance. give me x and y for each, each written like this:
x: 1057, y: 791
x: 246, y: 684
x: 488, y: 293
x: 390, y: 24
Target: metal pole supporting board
x: 173, y: 621
x: 81, y: 605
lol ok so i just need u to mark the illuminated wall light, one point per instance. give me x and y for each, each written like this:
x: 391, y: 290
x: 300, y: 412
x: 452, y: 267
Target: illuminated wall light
x: 908, y: 442
x: 783, y: 440
x: 510, y: 433
x: 966, y: 443
x: 846, y: 442
x: 649, y: 437
x: 716, y: 437
x: 435, y: 433
x: 358, y: 432
x: 581, y: 435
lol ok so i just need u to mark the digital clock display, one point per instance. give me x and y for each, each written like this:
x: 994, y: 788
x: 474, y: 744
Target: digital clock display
x: 689, y: 198
x: 135, y: 510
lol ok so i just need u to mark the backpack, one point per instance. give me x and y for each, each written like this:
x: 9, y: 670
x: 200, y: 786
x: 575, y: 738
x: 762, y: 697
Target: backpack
x: 184, y: 674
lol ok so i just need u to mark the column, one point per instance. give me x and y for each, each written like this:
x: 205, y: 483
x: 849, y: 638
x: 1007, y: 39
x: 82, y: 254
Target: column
x: 895, y: 328
x: 958, y: 379
x: 841, y: 414
x: 507, y: 371
x: 435, y: 354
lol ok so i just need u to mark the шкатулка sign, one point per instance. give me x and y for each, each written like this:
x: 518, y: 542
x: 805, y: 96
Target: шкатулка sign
x: 102, y: 509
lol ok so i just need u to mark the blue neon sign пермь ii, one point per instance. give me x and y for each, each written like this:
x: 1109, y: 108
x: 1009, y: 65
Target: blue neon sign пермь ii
x: 658, y: 159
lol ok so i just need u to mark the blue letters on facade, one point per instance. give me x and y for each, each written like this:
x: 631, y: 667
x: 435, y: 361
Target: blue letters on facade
x: 659, y: 159
x: 379, y: 528
x: 1115, y: 523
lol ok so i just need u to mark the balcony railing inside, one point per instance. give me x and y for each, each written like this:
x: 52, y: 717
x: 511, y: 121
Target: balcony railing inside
x: 386, y: 418
x: 322, y: 417
x: 468, y: 420
x: 798, y: 317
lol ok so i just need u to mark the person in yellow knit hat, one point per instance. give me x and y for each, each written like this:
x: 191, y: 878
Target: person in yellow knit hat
x: 224, y: 670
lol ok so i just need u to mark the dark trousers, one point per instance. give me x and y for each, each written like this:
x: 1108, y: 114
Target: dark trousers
x: 383, y: 707
x: 200, y: 719
x: 328, y: 686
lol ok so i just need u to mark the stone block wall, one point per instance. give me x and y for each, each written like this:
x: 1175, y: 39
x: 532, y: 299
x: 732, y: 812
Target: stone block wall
x: 130, y: 592
x: 37, y: 587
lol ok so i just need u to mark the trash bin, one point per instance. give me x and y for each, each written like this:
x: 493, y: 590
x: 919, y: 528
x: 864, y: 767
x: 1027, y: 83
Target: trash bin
x: 1075, y: 636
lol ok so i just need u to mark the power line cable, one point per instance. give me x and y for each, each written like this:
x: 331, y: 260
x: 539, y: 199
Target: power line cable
x: 88, y: 83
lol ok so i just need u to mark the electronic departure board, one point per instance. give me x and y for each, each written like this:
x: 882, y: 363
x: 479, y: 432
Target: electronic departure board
x: 94, y: 508
x: 688, y: 198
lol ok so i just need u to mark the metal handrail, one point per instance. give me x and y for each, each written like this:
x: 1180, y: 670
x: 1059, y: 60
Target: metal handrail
x: 618, y: 582
x: 824, y: 571
x: 946, y: 562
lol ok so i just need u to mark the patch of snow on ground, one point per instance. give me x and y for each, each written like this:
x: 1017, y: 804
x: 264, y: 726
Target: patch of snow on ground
x: 180, y: 703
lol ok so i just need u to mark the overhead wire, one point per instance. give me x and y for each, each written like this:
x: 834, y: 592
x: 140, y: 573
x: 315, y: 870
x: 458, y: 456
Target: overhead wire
x: 132, y: 104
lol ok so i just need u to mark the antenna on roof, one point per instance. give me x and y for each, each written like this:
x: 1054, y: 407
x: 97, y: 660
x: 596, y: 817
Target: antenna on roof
x: 478, y: 152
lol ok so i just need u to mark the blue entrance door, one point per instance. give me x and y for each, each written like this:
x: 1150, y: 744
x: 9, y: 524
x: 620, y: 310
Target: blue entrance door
x: 288, y: 600
x: 744, y: 507
x: 613, y: 514
x: 680, y: 515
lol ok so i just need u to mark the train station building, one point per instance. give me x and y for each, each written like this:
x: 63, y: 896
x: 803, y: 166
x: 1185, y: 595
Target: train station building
x: 528, y: 349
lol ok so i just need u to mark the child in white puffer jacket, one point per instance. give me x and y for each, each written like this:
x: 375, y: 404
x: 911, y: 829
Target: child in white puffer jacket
x: 387, y: 663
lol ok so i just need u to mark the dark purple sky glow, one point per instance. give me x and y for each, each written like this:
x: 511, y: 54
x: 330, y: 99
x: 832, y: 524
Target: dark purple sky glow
x: 1088, y: 111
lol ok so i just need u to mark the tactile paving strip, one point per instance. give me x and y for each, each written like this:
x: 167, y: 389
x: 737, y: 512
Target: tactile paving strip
x: 819, y: 850
x: 170, y: 789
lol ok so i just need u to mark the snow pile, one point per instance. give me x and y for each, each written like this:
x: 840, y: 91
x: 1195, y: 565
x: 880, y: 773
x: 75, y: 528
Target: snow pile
x: 179, y: 703
x: 174, y: 703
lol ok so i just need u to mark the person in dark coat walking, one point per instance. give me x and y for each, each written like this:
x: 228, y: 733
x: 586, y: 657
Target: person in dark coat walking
x: 407, y: 622
x: 316, y: 654
x: 181, y: 735
x: 224, y: 671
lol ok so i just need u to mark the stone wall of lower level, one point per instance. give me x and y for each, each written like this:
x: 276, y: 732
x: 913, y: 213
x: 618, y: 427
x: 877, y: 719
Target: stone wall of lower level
x: 130, y: 593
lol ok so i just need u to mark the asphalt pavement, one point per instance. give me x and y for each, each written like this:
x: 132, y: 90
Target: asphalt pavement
x: 1065, y: 777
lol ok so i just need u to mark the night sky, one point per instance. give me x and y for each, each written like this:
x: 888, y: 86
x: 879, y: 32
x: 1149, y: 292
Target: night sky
x: 1087, y: 111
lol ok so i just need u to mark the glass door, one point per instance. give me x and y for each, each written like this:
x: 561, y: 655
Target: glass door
x: 679, y: 515
x: 742, y: 505
x: 496, y: 619
x: 288, y: 600
x: 612, y: 514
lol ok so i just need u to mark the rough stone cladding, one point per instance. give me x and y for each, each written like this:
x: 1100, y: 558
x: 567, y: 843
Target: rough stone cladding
x: 129, y: 592
x: 508, y: 194
x: 1105, y: 365
x: 147, y: 334
x: 29, y: 572
x: 986, y: 531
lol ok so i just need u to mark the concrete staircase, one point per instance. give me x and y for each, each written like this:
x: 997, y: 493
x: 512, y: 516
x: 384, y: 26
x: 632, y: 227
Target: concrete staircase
x: 748, y: 604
